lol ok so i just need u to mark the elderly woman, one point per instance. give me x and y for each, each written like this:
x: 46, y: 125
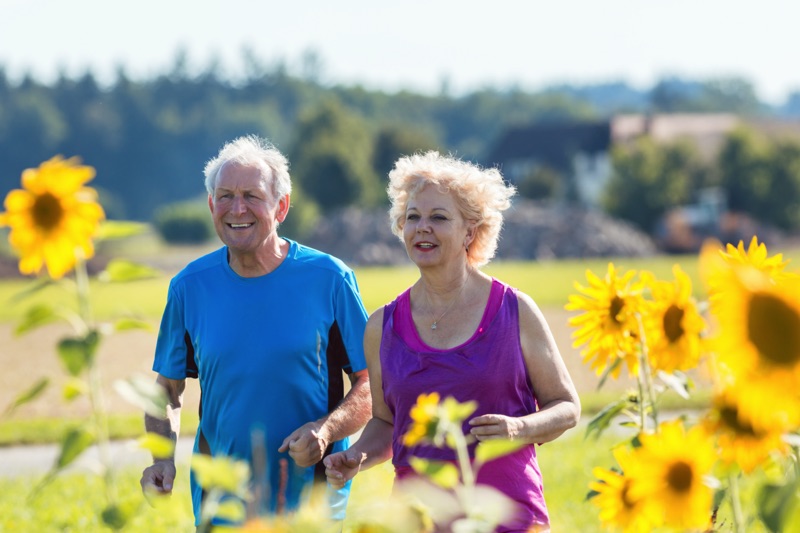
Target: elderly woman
x: 461, y: 333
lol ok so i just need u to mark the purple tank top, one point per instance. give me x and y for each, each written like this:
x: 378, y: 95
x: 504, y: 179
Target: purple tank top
x: 489, y: 368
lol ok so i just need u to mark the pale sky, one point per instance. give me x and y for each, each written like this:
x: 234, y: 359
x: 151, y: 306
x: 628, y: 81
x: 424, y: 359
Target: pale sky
x: 415, y: 44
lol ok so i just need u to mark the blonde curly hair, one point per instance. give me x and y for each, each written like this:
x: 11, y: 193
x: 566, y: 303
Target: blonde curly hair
x: 481, y: 195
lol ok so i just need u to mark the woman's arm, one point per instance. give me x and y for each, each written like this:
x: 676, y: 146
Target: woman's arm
x: 375, y: 444
x: 559, y: 405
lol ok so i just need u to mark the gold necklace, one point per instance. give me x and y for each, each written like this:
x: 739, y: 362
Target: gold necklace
x: 434, y: 325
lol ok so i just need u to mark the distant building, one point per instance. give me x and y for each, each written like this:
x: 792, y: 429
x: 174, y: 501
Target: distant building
x: 581, y: 151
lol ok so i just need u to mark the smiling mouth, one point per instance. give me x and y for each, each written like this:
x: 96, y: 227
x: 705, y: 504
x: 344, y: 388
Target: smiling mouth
x: 239, y: 226
x: 425, y: 245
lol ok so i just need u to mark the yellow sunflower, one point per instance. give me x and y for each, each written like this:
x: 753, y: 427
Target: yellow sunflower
x: 757, y: 343
x: 608, y: 326
x: 671, y: 467
x: 53, y: 217
x: 756, y: 256
x: 673, y: 324
x: 618, y: 508
x: 740, y: 442
x: 425, y: 419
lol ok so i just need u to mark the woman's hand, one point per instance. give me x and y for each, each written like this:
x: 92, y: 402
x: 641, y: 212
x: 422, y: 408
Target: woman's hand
x: 341, y: 467
x: 487, y: 427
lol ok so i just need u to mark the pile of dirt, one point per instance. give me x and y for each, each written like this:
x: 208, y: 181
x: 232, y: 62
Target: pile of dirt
x: 531, y: 231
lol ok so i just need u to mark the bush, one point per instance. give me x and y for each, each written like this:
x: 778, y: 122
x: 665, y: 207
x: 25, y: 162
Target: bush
x: 184, y: 223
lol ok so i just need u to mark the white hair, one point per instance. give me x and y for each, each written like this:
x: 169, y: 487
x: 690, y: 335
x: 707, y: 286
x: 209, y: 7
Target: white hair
x: 252, y: 150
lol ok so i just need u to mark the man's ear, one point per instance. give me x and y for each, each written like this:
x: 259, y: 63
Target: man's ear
x: 211, y: 204
x: 283, y: 208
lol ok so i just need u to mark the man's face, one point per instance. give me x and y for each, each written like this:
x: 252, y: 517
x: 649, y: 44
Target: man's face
x: 245, y: 213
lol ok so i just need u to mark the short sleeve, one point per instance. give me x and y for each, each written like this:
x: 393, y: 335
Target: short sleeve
x: 351, y: 317
x: 171, y: 346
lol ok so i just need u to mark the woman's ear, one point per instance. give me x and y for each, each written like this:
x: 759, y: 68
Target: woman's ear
x: 471, y: 230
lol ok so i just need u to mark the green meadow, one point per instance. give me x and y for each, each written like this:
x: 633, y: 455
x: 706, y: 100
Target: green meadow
x: 549, y: 283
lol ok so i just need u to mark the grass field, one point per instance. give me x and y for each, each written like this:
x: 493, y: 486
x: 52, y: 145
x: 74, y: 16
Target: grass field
x: 566, y: 465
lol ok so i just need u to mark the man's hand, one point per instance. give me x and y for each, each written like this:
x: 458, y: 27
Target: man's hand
x: 307, y: 444
x: 341, y: 467
x: 158, y: 478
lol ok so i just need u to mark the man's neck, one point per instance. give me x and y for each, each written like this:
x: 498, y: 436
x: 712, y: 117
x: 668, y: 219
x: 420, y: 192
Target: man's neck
x: 258, y: 263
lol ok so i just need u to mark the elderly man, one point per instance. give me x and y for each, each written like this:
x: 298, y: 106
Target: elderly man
x: 267, y: 325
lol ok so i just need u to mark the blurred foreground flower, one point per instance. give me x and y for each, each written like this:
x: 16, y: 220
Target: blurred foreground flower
x: 446, y: 490
x: 740, y: 442
x: 757, y: 342
x: 664, y: 482
x: 618, y: 506
x: 53, y: 216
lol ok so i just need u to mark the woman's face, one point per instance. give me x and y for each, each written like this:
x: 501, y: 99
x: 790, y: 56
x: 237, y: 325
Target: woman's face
x: 435, y: 232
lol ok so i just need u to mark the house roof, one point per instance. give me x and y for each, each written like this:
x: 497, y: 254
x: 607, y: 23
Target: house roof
x: 555, y: 143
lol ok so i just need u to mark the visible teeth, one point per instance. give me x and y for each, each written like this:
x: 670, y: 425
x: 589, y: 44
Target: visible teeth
x: 425, y: 245
x: 240, y: 225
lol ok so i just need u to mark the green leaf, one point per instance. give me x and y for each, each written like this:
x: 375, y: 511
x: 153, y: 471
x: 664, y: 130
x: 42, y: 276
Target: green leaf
x: 117, y: 515
x: 74, y: 388
x: 116, y: 229
x: 443, y: 473
x: 603, y: 419
x: 222, y: 473
x: 160, y: 447
x: 775, y: 503
x: 35, y: 287
x: 608, y: 371
x: 29, y: 395
x: 231, y: 510
x: 126, y: 324
x: 457, y: 412
x: 492, y: 449
x: 74, y: 443
x: 36, y: 316
x: 121, y: 270
x: 144, y: 393
x: 77, y: 353
x: 114, y: 517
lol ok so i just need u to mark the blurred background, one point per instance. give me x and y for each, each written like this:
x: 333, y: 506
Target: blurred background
x: 630, y: 128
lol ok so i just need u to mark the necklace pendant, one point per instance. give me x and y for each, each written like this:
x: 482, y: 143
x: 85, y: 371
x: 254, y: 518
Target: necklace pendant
x: 433, y: 326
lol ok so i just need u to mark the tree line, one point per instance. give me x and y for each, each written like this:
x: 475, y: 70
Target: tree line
x: 149, y: 139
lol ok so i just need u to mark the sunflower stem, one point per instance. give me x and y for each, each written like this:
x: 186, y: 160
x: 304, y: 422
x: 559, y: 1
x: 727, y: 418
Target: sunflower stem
x: 96, y: 400
x: 82, y: 282
x: 644, y: 368
x: 467, y: 475
x: 736, y: 504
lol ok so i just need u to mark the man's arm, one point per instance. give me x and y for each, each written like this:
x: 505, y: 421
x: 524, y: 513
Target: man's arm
x: 159, y: 477
x: 307, y: 444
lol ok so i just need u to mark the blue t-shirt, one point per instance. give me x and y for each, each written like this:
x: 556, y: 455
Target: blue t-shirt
x: 269, y: 353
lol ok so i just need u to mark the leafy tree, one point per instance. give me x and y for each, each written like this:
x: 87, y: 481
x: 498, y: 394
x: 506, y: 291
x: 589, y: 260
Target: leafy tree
x: 331, y: 157
x: 395, y: 141
x: 649, y: 178
x: 783, y: 202
x: 185, y: 223
x: 744, y: 171
x: 543, y: 183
